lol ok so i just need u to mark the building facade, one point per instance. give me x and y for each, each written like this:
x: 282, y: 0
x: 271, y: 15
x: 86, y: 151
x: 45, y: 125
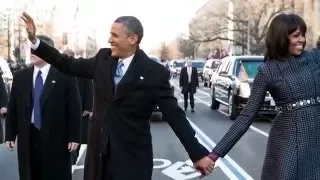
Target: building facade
x: 239, y: 32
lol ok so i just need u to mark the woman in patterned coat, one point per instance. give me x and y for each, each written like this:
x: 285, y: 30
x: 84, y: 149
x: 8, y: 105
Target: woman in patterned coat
x: 292, y: 76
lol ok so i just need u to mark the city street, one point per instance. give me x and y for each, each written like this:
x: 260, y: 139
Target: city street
x: 170, y: 159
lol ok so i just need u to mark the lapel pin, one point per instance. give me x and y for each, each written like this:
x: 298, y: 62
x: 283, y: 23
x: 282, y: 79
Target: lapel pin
x: 141, y: 77
x: 53, y: 82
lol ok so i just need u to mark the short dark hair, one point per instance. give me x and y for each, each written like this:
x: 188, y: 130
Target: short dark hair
x: 277, y: 40
x: 68, y: 52
x: 133, y: 25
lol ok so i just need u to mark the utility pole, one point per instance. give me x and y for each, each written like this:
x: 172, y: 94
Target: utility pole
x: 248, y: 40
x: 9, y: 36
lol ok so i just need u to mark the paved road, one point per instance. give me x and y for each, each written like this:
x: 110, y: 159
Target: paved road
x: 171, y: 161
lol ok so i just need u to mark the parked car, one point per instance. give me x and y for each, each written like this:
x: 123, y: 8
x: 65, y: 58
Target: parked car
x: 156, y: 113
x: 176, y: 66
x: 199, y: 64
x: 210, y: 66
x: 214, y: 75
x: 232, y: 86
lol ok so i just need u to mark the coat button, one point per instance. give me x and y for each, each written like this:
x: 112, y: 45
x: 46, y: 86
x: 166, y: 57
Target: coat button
x: 101, y: 130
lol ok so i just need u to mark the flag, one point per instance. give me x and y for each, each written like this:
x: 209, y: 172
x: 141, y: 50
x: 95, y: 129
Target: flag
x: 243, y: 76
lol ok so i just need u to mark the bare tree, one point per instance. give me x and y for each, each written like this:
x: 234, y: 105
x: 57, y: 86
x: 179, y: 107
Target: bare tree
x: 250, y: 19
x: 5, y: 37
x: 186, y: 46
x: 46, y: 28
x: 164, y: 51
x: 3, y: 45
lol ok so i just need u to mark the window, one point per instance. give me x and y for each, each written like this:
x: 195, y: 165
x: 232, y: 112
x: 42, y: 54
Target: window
x: 198, y: 64
x: 249, y: 67
x: 215, y: 65
x: 228, y: 66
x: 224, y: 66
x: 178, y: 64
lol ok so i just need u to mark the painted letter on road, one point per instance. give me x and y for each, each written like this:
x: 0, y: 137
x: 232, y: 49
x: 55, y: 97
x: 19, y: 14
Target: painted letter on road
x: 163, y: 163
x: 181, y: 171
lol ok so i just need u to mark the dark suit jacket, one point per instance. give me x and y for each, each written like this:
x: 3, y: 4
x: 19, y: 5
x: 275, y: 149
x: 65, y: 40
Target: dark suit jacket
x: 85, y: 87
x: 184, y: 81
x: 86, y: 94
x: 61, y: 122
x: 124, y: 117
x: 3, y: 94
x: 3, y: 103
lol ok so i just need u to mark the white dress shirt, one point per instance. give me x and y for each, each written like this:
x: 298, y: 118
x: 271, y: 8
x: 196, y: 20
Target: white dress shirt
x: 44, y: 73
x: 36, y: 45
x: 126, y: 63
x: 189, y: 70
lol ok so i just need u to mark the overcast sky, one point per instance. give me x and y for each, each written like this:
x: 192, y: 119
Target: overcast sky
x: 162, y: 19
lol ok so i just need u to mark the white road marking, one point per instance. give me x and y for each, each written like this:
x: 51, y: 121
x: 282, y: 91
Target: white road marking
x: 77, y: 167
x: 232, y: 162
x: 180, y: 171
x: 259, y: 131
x: 165, y: 163
x: 219, y: 163
x: 202, y: 96
x: 181, y: 100
x: 209, y: 105
x: 81, y: 151
x: 212, y: 144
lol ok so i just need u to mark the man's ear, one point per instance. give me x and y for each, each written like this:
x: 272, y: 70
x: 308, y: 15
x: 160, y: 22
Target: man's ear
x: 133, y: 39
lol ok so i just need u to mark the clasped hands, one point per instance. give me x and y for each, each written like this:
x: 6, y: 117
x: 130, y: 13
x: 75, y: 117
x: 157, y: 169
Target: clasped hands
x: 205, y: 165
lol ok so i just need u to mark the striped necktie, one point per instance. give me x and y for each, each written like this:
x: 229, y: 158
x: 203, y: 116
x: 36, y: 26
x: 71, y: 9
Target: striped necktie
x: 119, y: 73
x: 37, y: 92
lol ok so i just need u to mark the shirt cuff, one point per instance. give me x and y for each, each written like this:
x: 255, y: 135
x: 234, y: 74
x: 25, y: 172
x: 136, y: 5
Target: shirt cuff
x: 213, y: 156
x: 36, y: 45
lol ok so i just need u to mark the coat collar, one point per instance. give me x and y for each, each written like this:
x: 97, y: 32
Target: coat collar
x: 138, y: 65
x: 131, y: 79
x: 48, y: 85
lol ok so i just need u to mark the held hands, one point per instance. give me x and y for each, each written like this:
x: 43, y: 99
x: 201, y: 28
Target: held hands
x: 30, y: 27
x: 205, y: 166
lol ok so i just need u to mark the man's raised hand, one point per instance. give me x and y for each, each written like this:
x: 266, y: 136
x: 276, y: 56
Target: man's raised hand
x: 30, y: 27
